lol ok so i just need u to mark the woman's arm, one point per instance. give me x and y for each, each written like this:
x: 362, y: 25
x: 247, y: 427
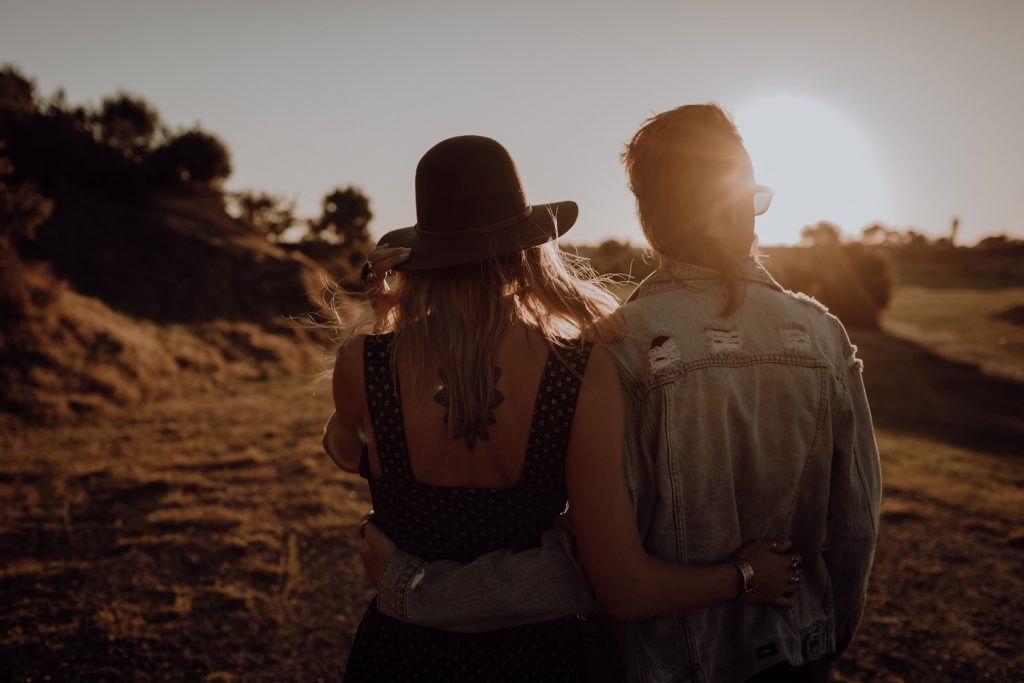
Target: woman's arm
x: 343, y: 435
x: 628, y: 582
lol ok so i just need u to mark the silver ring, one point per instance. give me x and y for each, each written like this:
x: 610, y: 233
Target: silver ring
x: 795, y: 578
x: 368, y: 275
x: 774, y: 547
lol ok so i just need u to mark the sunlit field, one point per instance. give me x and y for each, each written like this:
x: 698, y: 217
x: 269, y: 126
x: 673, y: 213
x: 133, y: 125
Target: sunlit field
x: 168, y: 276
x: 980, y: 326
x: 210, y: 538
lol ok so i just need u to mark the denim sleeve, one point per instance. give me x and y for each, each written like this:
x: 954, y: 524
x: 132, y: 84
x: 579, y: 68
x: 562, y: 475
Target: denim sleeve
x: 497, y: 590
x: 855, y: 496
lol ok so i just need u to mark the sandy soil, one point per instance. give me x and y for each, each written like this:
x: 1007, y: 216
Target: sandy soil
x: 209, y: 538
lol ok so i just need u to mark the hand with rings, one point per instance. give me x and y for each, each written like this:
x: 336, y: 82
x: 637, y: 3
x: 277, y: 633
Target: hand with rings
x: 367, y: 518
x: 379, y: 263
x: 776, y: 572
x: 374, y: 547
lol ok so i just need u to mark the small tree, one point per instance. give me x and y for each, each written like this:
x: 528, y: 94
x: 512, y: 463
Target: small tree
x: 22, y: 211
x: 194, y: 156
x: 17, y: 91
x: 127, y: 124
x: 22, y: 208
x: 344, y: 219
x: 1000, y: 241
x: 821, y: 234
x: 874, y: 234
x: 913, y: 238
x: 267, y: 214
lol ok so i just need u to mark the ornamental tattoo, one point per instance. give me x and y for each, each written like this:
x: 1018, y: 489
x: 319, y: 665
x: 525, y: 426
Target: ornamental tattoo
x: 479, y: 429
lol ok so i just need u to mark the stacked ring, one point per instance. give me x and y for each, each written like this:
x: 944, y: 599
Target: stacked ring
x: 368, y: 275
x: 367, y: 518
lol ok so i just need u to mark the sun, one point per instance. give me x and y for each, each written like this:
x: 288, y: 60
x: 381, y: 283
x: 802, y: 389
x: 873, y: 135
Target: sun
x: 820, y: 162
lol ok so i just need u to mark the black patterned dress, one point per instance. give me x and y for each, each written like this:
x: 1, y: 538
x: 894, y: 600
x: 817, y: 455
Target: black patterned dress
x: 460, y: 524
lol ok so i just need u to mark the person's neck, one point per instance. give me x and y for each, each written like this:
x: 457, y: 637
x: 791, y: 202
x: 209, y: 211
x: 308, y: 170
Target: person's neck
x: 695, y: 260
x: 702, y: 258
x: 692, y: 258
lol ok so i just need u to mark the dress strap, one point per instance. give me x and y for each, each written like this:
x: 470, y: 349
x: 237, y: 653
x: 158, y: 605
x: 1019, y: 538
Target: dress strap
x: 383, y: 398
x: 553, y: 412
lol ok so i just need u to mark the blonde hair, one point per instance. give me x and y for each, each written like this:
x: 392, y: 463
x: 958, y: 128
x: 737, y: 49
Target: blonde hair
x: 453, y: 318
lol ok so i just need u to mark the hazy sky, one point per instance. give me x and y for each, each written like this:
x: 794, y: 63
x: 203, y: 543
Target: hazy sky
x: 904, y: 111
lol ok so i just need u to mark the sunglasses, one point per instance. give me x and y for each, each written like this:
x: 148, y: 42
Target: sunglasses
x: 762, y: 198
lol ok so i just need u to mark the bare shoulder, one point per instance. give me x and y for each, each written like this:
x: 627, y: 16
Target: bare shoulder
x: 601, y: 365
x: 601, y: 378
x: 348, y: 365
x: 599, y: 417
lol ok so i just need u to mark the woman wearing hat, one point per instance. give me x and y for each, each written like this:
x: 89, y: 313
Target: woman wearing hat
x: 483, y: 387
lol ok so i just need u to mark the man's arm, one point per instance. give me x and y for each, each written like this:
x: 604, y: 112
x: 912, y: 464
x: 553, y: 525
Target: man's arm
x: 497, y: 590
x: 855, y: 497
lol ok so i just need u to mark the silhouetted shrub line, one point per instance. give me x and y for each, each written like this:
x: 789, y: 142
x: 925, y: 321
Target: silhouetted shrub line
x: 128, y: 272
x: 123, y: 276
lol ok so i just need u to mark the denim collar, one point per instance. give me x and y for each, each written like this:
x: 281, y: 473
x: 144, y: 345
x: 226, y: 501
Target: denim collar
x: 676, y: 274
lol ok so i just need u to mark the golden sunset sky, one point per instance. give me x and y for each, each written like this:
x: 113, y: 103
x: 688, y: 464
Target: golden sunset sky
x: 900, y: 111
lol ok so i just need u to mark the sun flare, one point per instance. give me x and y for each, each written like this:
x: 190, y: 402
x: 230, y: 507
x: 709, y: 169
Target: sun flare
x: 820, y: 162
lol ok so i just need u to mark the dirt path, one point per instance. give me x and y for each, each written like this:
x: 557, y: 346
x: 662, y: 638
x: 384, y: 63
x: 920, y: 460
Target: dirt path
x: 210, y: 539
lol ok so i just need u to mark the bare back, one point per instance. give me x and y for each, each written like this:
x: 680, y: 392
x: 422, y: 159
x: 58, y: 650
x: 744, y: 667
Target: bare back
x: 439, y: 460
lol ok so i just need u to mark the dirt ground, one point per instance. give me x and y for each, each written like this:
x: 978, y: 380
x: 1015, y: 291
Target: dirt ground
x: 210, y: 539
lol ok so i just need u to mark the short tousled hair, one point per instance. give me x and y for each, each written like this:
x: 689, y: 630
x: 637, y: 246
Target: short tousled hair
x: 679, y: 165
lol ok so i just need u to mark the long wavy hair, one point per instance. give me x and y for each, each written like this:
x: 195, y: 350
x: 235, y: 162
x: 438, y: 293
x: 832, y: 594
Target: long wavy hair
x: 454, y: 318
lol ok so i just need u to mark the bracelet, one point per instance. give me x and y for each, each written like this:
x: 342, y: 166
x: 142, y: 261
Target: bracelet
x: 746, y: 571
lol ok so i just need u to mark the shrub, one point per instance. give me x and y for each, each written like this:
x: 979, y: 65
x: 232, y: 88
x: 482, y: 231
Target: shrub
x: 192, y: 156
x: 126, y: 123
x: 17, y: 92
x: 266, y: 214
x: 853, y: 280
x: 345, y: 218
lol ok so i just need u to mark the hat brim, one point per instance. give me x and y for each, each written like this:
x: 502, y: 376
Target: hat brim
x: 545, y: 223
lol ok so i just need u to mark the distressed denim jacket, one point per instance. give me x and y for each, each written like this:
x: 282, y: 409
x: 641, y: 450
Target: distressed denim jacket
x: 749, y: 426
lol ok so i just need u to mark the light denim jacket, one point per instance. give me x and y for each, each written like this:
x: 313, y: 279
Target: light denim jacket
x: 749, y: 426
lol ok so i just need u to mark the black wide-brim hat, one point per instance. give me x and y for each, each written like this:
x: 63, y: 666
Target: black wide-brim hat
x: 471, y: 206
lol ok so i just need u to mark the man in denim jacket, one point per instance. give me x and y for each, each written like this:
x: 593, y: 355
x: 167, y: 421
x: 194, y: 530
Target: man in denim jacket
x: 746, y: 418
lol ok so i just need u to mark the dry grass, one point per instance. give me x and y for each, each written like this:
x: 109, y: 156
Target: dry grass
x: 201, y: 537
x: 946, y: 588
x: 962, y: 324
x: 71, y: 355
x: 206, y: 537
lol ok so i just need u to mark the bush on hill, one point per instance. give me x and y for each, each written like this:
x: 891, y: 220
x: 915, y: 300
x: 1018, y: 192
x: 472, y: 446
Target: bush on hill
x: 128, y: 124
x: 853, y: 280
x: 193, y: 156
x: 268, y: 215
x: 123, y: 276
